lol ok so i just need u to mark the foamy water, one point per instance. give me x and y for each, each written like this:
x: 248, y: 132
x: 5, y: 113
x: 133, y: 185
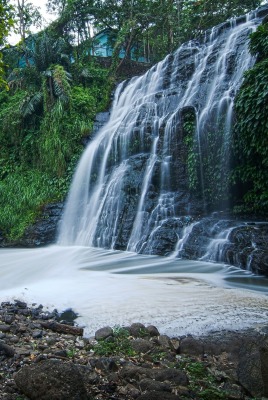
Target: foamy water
x: 118, y: 288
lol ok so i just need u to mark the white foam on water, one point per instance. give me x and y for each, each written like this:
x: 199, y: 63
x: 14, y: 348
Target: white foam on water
x: 118, y: 288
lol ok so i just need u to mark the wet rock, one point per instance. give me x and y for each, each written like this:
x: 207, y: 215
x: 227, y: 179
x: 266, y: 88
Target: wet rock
x: 164, y: 341
x: 137, y: 329
x: 130, y: 372
x: 191, y: 346
x: 37, y: 334
x: 106, y: 364
x: 43, y: 231
x: 141, y: 345
x: 20, y: 304
x: 160, y: 375
x: 152, y: 385
x: 6, y: 349
x: 51, y: 380
x: 252, y: 368
x: 103, y: 333
x: 171, y: 375
x: 152, y: 330
x: 4, y: 328
x: 245, y: 245
x: 234, y: 391
x: 175, y: 344
x: 129, y: 390
x: 61, y: 353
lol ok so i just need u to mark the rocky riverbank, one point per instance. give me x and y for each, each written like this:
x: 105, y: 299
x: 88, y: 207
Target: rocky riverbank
x: 43, y: 356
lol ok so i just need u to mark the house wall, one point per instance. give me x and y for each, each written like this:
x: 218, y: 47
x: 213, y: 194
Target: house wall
x: 101, y: 48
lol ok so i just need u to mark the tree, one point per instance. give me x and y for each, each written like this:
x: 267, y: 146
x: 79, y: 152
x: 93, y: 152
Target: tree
x: 28, y: 16
x: 56, y: 6
x: 6, y: 23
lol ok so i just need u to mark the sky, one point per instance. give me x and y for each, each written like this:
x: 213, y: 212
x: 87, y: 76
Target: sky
x: 13, y: 38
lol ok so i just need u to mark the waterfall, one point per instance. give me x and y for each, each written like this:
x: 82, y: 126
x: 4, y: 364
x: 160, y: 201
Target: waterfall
x: 131, y: 188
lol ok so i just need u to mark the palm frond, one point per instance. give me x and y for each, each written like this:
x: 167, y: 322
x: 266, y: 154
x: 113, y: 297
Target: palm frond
x: 31, y: 104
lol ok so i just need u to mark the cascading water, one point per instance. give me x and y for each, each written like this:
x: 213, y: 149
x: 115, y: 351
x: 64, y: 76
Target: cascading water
x: 131, y: 187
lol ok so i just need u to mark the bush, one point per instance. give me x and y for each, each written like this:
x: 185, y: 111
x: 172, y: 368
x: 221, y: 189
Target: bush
x: 250, y: 133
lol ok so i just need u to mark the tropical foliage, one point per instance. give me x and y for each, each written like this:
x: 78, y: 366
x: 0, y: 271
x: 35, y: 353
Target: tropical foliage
x: 251, y: 131
x: 48, y: 111
x: 44, y: 118
x: 6, y: 22
x: 159, y: 26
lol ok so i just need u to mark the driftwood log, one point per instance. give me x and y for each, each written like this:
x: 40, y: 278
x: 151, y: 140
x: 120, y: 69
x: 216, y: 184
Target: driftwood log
x: 62, y: 328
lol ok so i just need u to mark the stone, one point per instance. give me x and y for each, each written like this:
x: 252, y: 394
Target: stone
x: 164, y: 341
x: 234, y: 391
x: 141, y: 345
x: 9, y: 319
x: 175, y: 344
x: 152, y: 330
x: 191, y: 346
x: 4, y: 328
x: 152, y: 385
x: 167, y: 374
x: 6, y: 349
x: 264, y: 365
x: 171, y: 375
x: 61, y: 353
x: 252, y: 368
x: 20, y: 304
x: 37, y: 334
x: 129, y: 390
x: 103, y: 333
x: 137, y: 329
x: 152, y: 395
x: 51, y: 380
x: 130, y: 372
x: 106, y: 364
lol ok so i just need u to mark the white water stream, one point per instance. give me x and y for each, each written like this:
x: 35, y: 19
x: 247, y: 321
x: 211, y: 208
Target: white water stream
x: 136, y: 146
x: 118, y: 288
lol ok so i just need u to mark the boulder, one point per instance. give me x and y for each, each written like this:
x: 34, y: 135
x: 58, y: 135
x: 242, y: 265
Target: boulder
x: 51, y: 380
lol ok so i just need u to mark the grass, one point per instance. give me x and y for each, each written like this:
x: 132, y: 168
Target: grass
x: 22, y: 195
x: 118, y: 344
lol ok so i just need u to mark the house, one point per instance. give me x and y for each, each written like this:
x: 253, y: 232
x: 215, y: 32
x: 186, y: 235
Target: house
x: 102, y: 46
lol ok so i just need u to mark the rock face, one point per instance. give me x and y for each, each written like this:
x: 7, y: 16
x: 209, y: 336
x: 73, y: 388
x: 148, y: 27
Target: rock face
x: 238, y: 243
x: 44, y: 231
x: 149, y: 178
x: 161, y: 160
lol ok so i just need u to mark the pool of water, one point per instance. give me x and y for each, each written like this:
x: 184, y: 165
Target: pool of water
x: 117, y: 288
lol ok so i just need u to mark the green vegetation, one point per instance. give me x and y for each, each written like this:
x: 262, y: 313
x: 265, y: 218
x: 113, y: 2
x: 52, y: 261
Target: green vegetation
x: 71, y: 352
x: 50, y: 106
x: 250, y: 136
x: 202, y: 382
x: 48, y: 110
x: 216, y: 167
x: 22, y: 194
x: 159, y: 26
x: 6, y: 23
x: 119, y: 344
x: 189, y: 127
